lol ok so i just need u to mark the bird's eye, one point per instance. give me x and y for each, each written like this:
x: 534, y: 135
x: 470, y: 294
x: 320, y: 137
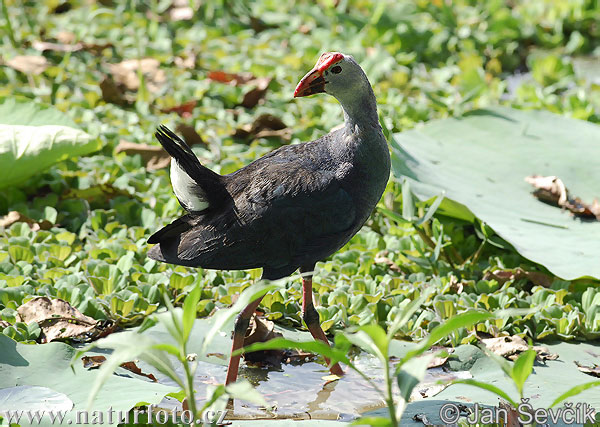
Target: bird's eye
x: 336, y: 70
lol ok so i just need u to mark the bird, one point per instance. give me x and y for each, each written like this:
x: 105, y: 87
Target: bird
x: 287, y: 210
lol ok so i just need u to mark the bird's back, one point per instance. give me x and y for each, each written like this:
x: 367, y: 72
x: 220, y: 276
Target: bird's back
x: 290, y: 208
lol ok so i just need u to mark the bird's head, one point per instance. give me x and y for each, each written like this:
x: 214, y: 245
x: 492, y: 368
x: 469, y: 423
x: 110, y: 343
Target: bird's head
x: 334, y: 74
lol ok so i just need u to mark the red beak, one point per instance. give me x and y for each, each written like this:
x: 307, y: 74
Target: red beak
x: 313, y: 82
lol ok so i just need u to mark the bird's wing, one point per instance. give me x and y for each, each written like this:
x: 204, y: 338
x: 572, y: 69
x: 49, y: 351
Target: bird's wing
x: 195, y: 186
x: 286, y: 209
x: 295, y: 203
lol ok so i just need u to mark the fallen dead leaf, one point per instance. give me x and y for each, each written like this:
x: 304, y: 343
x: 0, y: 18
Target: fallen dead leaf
x: 4, y: 324
x: 235, y: 79
x: 436, y: 380
x: 132, y: 367
x: 255, y: 95
x: 188, y: 61
x: 189, y: 134
x: 438, y: 360
x: 43, y: 46
x: 330, y: 378
x: 265, y: 126
x: 262, y: 330
x: 535, y: 277
x: 552, y: 190
x: 381, y: 258
x: 126, y: 74
x: 94, y: 362
x: 66, y: 37
x: 593, y: 370
x: 153, y: 156
x: 14, y: 216
x: 510, y: 347
x: 28, y: 64
x: 456, y: 285
x: 112, y: 94
x: 57, y: 319
x: 422, y: 418
x: 184, y: 110
x: 217, y: 355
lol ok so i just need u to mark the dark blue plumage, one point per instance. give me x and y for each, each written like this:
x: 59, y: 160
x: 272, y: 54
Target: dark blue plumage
x: 290, y: 208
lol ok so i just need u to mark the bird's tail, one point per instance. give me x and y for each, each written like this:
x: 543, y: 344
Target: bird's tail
x: 197, y: 188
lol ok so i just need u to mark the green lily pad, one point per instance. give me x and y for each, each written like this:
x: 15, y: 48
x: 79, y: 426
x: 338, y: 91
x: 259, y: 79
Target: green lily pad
x: 34, y: 136
x: 480, y: 162
x: 46, y: 371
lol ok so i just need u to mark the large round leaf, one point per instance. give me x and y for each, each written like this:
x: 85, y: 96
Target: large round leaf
x: 47, y: 370
x: 480, y: 161
x: 34, y: 136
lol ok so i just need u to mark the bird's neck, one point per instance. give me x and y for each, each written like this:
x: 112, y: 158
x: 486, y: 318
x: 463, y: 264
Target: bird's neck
x: 360, y: 110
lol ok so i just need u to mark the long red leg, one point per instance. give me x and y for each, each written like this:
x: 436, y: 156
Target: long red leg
x: 311, y: 318
x: 242, y: 322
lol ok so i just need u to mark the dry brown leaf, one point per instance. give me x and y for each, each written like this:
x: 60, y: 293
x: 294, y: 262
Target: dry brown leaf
x: 94, y: 362
x: 381, y: 258
x: 189, y: 134
x: 188, y: 61
x: 456, y: 285
x: 14, y: 216
x: 234, y: 79
x: 66, y: 37
x: 510, y: 347
x: 552, y: 190
x: 111, y: 93
x: 58, y: 47
x: 262, y: 330
x: 593, y: 370
x: 184, y: 110
x: 438, y: 360
x: 57, y: 319
x: 265, y: 126
x: 535, y: 277
x: 4, y: 324
x: 217, y: 355
x: 154, y: 156
x: 28, y: 64
x: 124, y: 77
x: 255, y: 95
x: 132, y: 367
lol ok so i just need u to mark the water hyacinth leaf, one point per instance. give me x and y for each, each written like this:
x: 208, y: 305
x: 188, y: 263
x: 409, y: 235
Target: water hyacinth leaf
x: 34, y: 136
x: 462, y: 320
x: 481, y: 160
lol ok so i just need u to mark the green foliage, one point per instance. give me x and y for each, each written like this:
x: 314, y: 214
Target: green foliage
x: 426, y: 60
x: 51, y: 136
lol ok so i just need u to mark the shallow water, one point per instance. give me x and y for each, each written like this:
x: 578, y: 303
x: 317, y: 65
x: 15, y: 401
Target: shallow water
x: 299, y: 391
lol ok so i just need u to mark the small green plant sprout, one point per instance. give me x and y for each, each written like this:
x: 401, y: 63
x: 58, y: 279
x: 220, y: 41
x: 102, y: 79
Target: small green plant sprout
x: 372, y: 338
x: 178, y: 322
